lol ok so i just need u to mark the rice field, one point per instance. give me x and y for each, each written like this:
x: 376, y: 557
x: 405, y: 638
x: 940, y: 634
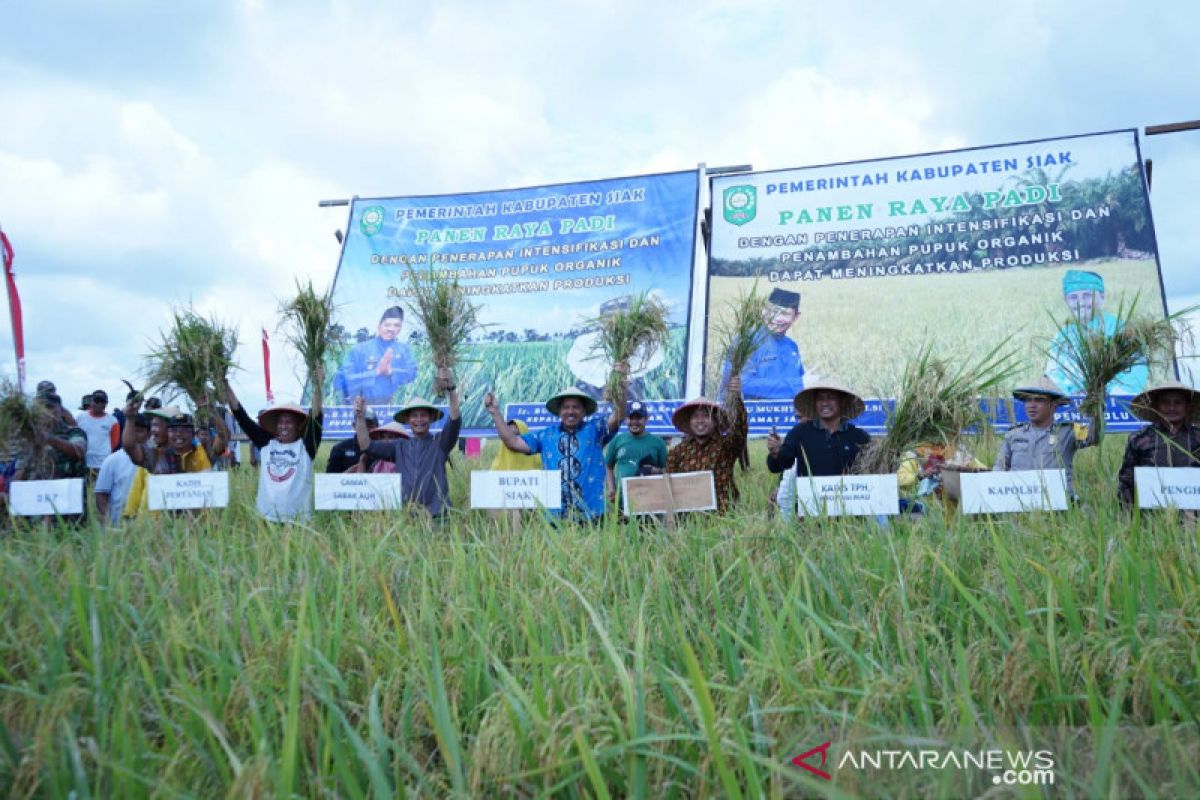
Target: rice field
x: 533, y: 372
x: 864, y: 330
x: 373, y: 656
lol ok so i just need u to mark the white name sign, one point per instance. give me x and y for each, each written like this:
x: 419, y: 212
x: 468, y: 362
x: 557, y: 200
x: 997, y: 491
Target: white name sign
x: 847, y: 495
x: 1007, y: 492
x: 1168, y: 487
x: 359, y: 491
x: 511, y: 489
x: 188, y: 490
x: 39, y: 498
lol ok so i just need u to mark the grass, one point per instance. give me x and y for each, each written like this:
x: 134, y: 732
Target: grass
x: 371, y: 657
x: 864, y: 330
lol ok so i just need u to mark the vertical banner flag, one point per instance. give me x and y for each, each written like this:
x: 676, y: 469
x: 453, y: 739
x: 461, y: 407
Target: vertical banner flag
x: 266, y: 348
x: 14, y: 307
x: 866, y: 261
x: 544, y: 264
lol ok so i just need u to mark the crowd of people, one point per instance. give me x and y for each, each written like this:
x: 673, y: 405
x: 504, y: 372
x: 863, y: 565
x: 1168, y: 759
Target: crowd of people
x: 117, y: 452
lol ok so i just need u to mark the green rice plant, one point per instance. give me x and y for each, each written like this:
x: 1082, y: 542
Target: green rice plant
x: 936, y: 401
x: 631, y: 336
x: 741, y: 330
x: 1094, y: 358
x: 447, y: 315
x: 192, y: 354
x: 307, y: 318
x: 23, y: 419
x: 361, y: 655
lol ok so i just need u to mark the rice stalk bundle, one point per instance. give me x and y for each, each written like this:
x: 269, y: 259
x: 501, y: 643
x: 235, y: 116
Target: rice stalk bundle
x: 22, y: 419
x: 307, y: 320
x: 447, y: 316
x: 937, y: 399
x: 1094, y: 358
x: 631, y: 336
x: 741, y: 332
x: 192, y: 352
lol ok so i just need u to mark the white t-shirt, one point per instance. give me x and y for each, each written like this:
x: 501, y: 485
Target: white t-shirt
x: 285, y: 481
x: 115, y: 480
x: 99, y: 436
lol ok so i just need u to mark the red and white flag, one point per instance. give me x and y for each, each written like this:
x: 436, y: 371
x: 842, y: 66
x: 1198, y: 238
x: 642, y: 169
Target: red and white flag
x: 267, y: 365
x: 14, y: 307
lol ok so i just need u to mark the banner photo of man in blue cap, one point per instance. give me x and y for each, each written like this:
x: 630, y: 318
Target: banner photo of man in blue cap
x: 775, y: 371
x: 1083, y: 293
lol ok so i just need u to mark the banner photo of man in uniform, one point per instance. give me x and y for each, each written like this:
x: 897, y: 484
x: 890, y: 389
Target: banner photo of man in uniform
x: 543, y: 263
x: 864, y: 261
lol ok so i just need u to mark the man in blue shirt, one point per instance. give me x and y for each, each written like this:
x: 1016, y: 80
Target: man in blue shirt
x: 574, y: 448
x: 775, y: 371
x: 1083, y: 292
x: 377, y: 368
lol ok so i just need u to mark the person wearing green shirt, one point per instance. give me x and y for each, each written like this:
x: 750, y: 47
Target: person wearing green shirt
x: 632, y: 450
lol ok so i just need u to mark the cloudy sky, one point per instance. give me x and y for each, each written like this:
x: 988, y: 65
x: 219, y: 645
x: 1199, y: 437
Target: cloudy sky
x: 157, y: 153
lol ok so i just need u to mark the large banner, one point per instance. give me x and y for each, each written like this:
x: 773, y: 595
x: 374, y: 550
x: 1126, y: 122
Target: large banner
x: 544, y: 263
x: 866, y: 261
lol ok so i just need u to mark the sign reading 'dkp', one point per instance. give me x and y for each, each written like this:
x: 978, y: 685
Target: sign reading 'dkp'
x: 847, y: 495
x: 188, y: 490
x: 512, y: 489
x: 46, y: 498
x: 363, y: 491
x: 1168, y: 487
x: 1007, y: 492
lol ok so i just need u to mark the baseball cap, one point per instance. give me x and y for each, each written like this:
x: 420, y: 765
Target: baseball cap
x: 45, y: 388
x: 636, y: 409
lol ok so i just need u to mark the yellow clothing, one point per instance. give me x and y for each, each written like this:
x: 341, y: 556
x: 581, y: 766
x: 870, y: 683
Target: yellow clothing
x: 195, y: 461
x: 509, y: 460
x: 914, y: 460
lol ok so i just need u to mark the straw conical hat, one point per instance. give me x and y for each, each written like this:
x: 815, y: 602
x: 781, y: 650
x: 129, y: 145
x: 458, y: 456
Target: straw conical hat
x: 1042, y: 387
x: 1142, y: 406
x: 805, y: 400
x: 589, y: 403
x: 683, y: 414
x: 391, y: 427
x: 413, y: 405
x: 269, y: 419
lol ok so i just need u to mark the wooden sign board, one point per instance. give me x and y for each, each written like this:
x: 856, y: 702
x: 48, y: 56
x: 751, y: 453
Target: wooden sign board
x: 358, y: 491
x: 688, y: 491
x: 1167, y: 487
x: 188, y: 490
x: 45, y: 498
x: 515, y: 489
x: 847, y: 495
x: 1018, y: 491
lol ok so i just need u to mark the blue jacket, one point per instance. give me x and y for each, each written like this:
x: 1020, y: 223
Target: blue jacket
x: 357, y: 374
x: 774, y: 372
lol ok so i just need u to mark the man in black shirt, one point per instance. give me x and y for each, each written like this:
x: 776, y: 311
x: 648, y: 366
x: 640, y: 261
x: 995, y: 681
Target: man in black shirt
x: 824, y: 442
x: 345, y: 454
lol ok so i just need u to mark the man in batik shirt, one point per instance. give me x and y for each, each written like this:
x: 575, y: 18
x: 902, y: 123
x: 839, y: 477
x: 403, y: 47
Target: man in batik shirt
x: 707, y: 447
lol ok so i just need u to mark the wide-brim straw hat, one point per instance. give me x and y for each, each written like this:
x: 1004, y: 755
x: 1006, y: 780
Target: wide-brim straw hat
x: 1142, y: 406
x: 1042, y: 387
x: 682, y: 417
x: 269, y: 419
x: 391, y: 427
x: 805, y: 400
x: 589, y: 402
x: 413, y: 405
